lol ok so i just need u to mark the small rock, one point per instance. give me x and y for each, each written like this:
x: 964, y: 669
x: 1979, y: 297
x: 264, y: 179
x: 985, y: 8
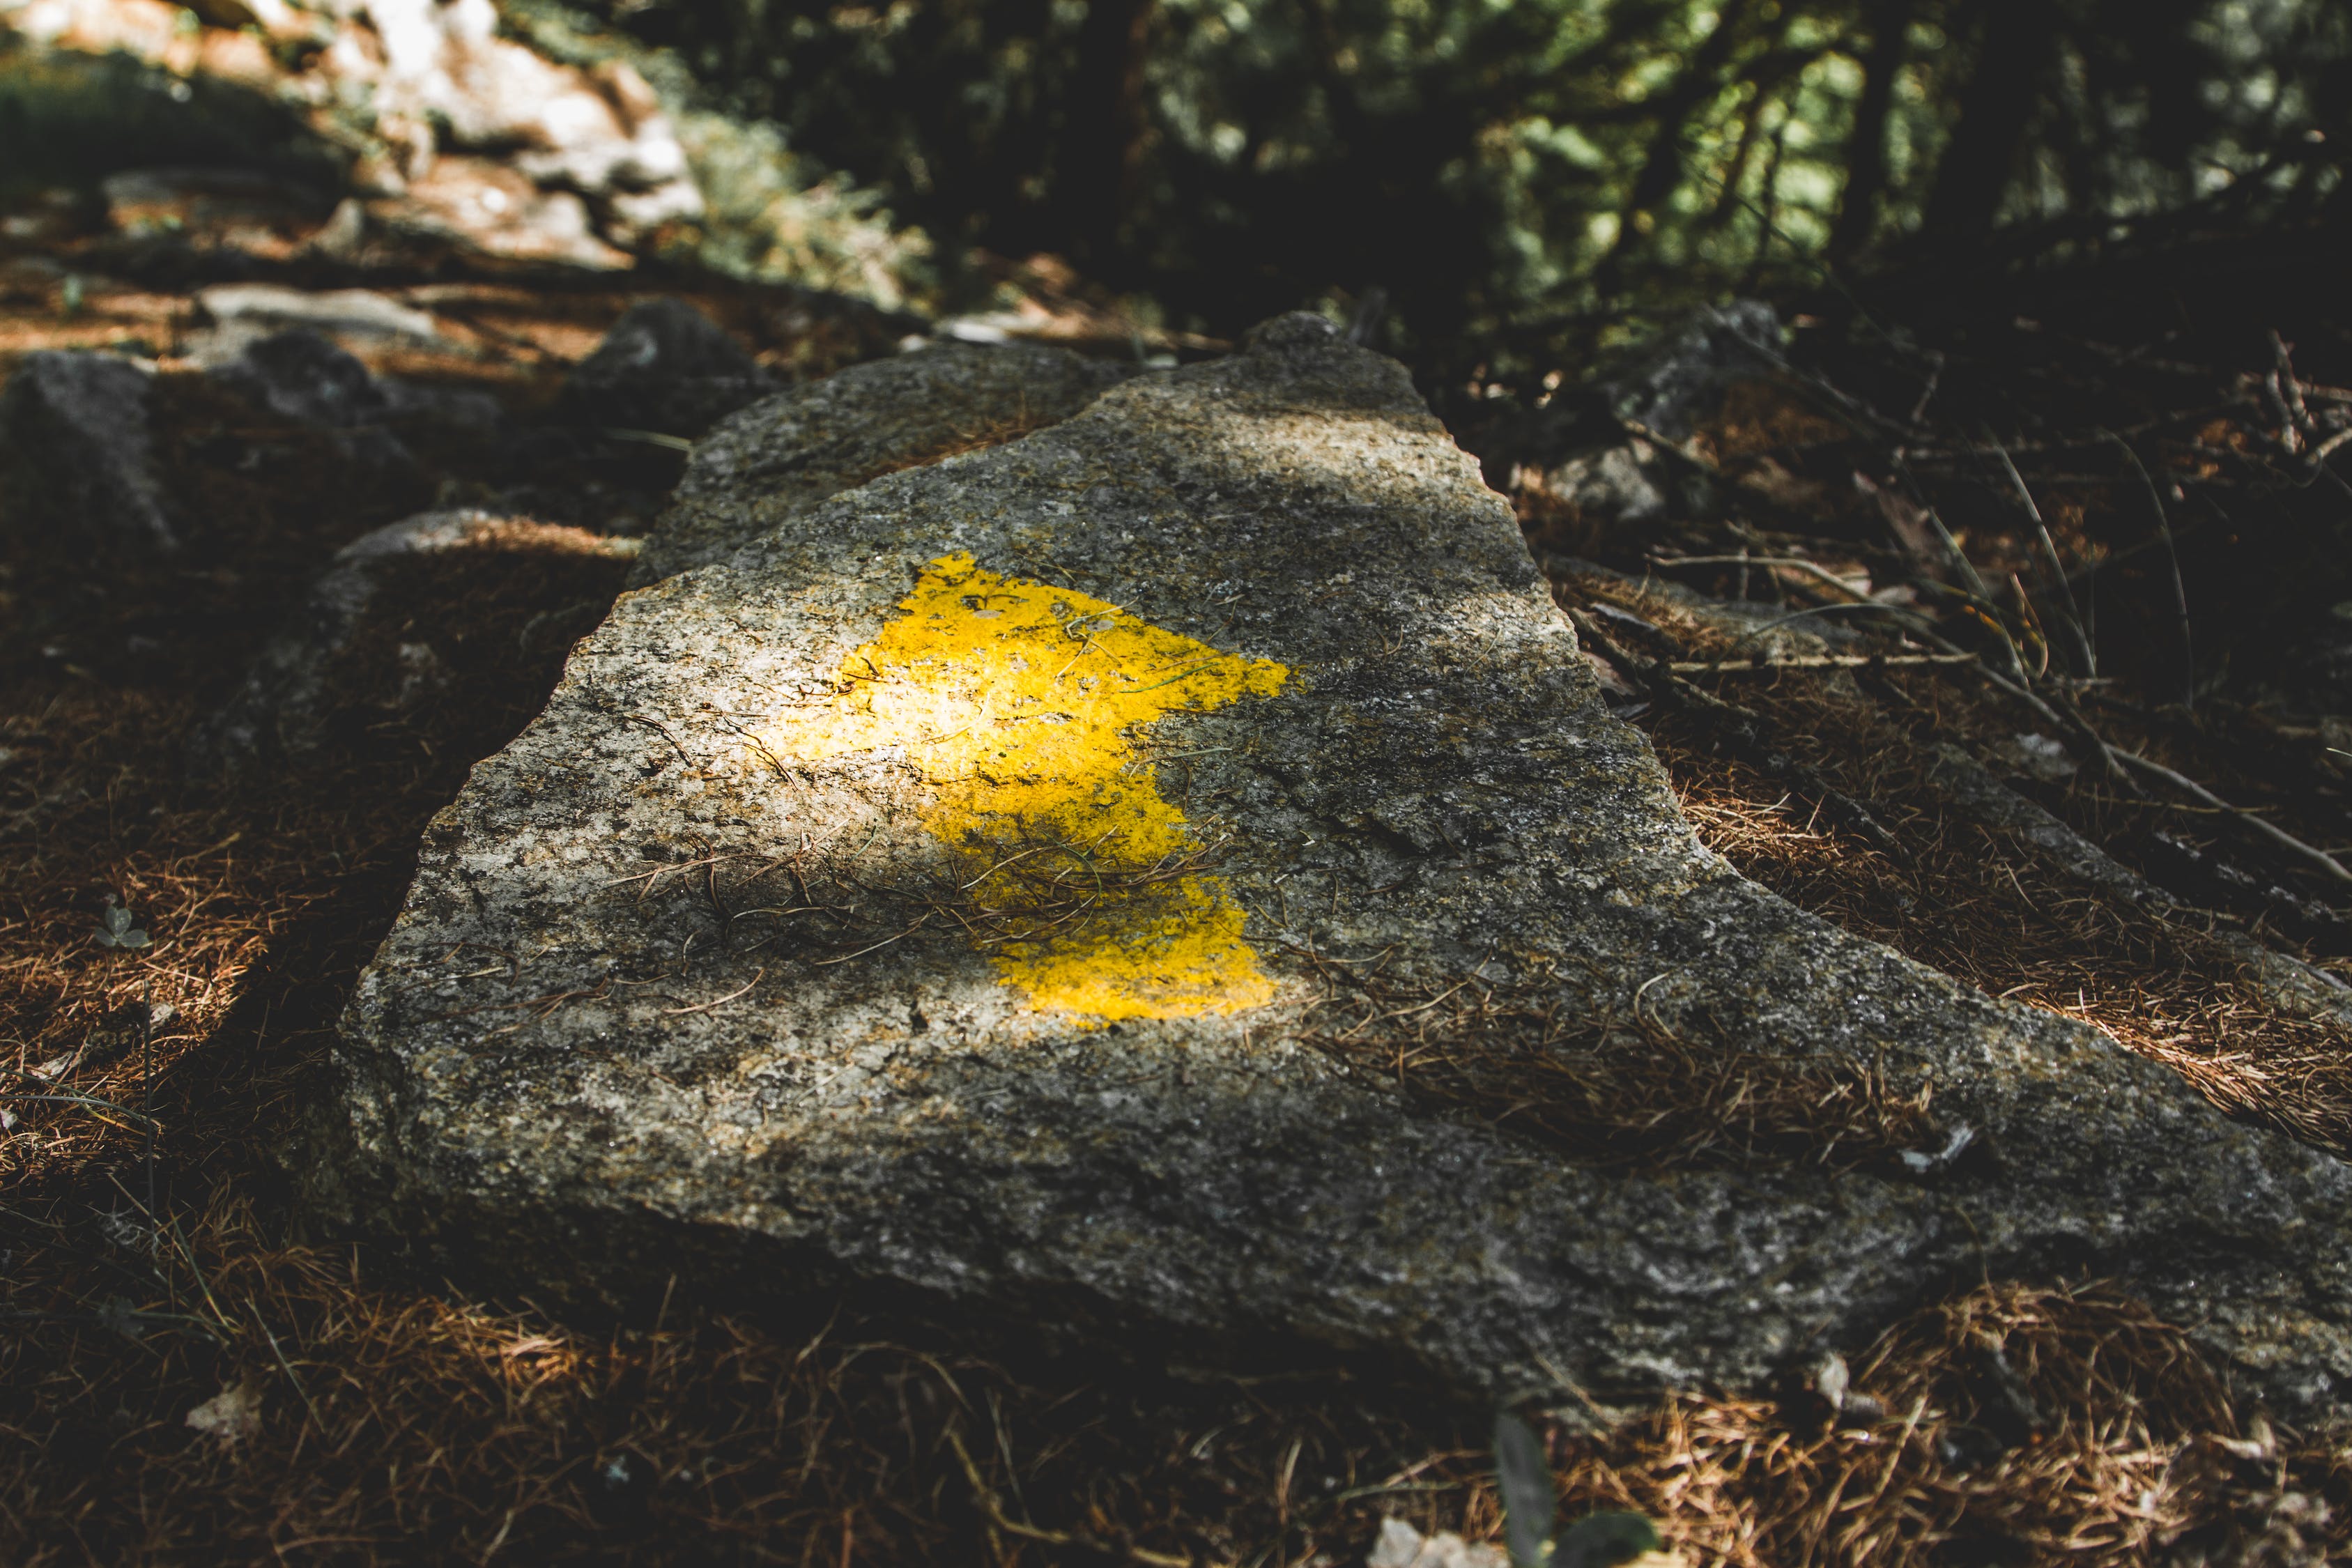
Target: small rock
x: 231, y: 1415
x: 665, y: 367
x: 1628, y: 484
x: 1401, y: 1546
x: 1609, y: 448
x: 1678, y: 382
x: 310, y: 673
x: 298, y: 375
x: 78, y: 456
x: 241, y: 312
x: 2035, y: 757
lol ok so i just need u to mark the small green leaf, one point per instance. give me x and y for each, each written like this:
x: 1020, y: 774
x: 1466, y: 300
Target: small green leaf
x: 1604, y: 1540
x: 1524, y: 1477
x: 115, y: 930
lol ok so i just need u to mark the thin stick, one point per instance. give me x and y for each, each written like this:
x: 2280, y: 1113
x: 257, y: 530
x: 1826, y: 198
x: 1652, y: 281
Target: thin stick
x: 717, y: 1002
x: 2290, y: 393
x: 147, y: 1081
x: 2279, y: 836
x: 287, y: 1367
x: 2180, y: 588
x: 1821, y: 661
x: 1814, y: 568
x: 2057, y: 568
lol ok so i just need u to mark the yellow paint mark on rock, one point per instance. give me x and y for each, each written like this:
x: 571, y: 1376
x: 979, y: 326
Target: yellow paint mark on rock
x: 1021, y: 704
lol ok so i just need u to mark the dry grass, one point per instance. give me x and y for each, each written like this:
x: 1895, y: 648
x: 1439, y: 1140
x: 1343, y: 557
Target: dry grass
x: 1611, y: 1092
x: 1976, y: 902
x: 2124, y: 1450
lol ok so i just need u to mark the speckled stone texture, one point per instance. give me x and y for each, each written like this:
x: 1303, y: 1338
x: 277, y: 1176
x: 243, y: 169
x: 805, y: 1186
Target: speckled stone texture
x: 778, y: 458
x: 660, y: 1002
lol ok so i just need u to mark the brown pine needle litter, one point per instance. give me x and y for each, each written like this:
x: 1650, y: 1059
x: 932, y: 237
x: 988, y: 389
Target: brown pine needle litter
x: 402, y: 1420
x: 356, y: 1414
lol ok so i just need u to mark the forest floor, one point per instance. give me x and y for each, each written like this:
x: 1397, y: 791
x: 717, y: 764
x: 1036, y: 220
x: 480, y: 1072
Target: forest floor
x: 347, y: 1413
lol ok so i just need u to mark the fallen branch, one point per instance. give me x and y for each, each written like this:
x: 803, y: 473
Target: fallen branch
x: 1814, y: 568
x: 2277, y: 835
x: 1819, y: 661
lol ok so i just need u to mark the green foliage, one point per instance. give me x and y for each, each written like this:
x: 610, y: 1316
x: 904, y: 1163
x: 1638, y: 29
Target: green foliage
x: 69, y: 119
x: 1486, y: 162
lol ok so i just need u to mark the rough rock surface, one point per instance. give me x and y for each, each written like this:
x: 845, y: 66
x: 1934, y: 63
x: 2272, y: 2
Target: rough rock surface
x: 77, y: 453
x: 308, y: 674
x: 777, y: 459
x: 980, y: 884
x: 666, y: 366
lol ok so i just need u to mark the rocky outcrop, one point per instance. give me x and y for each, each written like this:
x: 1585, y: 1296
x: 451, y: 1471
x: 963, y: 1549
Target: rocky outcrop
x: 447, y: 73
x: 776, y: 460
x: 1176, y: 870
x: 78, y: 456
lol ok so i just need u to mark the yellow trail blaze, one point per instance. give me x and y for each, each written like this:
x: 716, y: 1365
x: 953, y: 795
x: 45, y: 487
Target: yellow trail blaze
x: 1020, y: 703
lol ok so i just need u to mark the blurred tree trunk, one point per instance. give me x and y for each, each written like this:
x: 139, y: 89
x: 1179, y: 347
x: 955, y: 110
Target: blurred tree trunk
x: 1663, y: 163
x: 1996, y: 109
x: 1865, y: 183
x: 1102, y: 130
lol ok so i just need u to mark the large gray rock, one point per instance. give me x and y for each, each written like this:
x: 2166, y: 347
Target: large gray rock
x: 78, y: 457
x: 1075, y: 880
x: 776, y: 459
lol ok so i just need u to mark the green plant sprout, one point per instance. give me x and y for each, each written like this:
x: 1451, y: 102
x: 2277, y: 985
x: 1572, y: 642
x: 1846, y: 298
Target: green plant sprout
x: 115, y: 930
x: 1530, y: 1511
